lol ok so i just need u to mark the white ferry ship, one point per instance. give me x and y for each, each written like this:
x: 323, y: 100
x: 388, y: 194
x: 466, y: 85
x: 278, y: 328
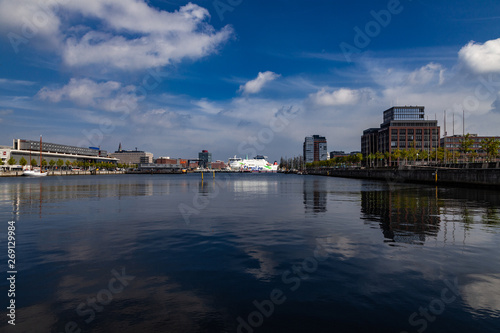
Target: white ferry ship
x: 257, y: 164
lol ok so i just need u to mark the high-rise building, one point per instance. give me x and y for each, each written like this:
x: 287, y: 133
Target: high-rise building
x: 205, y: 159
x: 315, y: 149
x: 404, y: 127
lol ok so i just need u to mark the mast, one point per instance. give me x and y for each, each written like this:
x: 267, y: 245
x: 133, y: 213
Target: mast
x: 41, y: 154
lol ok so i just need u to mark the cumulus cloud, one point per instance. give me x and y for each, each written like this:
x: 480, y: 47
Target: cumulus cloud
x: 482, y: 58
x: 427, y: 74
x: 131, y: 35
x: 342, y: 96
x: 109, y: 95
x: 256, y: 85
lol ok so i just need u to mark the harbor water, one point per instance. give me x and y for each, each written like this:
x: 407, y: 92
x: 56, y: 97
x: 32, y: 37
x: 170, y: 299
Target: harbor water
x: 249, y: 253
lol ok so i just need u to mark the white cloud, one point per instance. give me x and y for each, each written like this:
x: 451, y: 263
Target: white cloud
x: 427, y: 74
x: 131, y: 35
x: 110, y: 95
x: 482, y: 58
x: 256, y: 85
x: 342, y: 96
x: 10, y: 82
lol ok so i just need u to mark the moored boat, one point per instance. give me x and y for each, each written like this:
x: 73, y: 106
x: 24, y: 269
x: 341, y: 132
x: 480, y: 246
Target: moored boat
x: 36, y: 173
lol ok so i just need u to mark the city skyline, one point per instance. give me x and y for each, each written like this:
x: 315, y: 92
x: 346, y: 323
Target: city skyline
x: 235, y: 78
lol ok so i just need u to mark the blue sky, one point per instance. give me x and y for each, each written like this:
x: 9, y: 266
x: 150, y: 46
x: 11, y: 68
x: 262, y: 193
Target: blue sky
x: 239, y: 76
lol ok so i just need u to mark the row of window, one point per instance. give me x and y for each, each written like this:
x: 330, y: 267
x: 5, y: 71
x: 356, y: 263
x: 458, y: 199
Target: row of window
x: 411, y: 131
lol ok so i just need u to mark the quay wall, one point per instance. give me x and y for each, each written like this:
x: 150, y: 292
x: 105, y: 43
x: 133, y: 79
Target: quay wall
x: 444, y: 176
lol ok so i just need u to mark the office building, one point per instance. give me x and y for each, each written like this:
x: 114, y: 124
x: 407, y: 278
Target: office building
x: 315, y: 149
x: 404, y: 127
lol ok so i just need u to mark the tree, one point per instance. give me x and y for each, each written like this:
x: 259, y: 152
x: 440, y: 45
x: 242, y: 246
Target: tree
x: 23, y: 161
x: 490, y: 146
x: 33, y: 162
x: 44, y: 162
x: 404, y: 155
x: 1, y: 162
x: 68, y: 163
x: 396, y: 154
x: 52, y: 163
x: 371, y: 157
x: 11, y: 161
x: 412, y: 154
x: 379, y: 156
x: 423, y: 155
x: 387, y: 157
x: 60, y: 163
x: 466, y: 144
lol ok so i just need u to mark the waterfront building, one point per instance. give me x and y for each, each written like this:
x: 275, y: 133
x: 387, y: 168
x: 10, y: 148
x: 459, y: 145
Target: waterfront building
x: 453, y: 144
x: 315, y: 149
x: 219, y: 165
x: 337, y: 153
x: 404, y: 127
x: 52, y: 151
x: 205, y: 159
x: 132, y: 156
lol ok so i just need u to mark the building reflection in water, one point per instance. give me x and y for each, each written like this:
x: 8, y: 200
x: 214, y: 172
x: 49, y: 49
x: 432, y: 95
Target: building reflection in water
x: 29, y: 197
x: 315, y: 195
x: 404, y: 216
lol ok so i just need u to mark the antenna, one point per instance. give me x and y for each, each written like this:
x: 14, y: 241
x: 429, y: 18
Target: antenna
x: 463, y: 122
x: 445, y: 133
x: 453, y: 124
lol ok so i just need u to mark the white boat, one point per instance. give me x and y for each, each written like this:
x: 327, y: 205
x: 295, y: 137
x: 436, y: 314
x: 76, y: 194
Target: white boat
x: 257, y: 164
x: 36, y: 173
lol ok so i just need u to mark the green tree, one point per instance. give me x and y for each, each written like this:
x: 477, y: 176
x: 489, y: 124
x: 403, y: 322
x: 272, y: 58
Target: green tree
x: 23, y: 161
x: 44, y: 162
x: 396, y: 154
x: 387, y: 157
x: 491, y: 147
x: 1, y: 162
x: 412, y: 154
x: 423, y: 155
x: 60, y: 163
x: 34, y: 162
x: 11, y: 161
x: 465, y: 145
x: 404, y: 155
x: 358, y: 158
x: 379, y: 156
x: 52, y: 163
x: 68, y: 163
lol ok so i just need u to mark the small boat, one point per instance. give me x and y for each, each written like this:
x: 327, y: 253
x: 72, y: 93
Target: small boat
x: 36, y: 173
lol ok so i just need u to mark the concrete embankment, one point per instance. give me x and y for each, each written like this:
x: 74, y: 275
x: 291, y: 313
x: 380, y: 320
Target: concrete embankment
x: 63, y: 173
x: 443, y: 176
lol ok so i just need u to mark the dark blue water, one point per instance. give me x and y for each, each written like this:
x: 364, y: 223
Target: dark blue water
x: 250, y: 253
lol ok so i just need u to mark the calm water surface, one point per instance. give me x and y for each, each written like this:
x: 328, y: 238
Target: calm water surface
x: 250, y: 253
